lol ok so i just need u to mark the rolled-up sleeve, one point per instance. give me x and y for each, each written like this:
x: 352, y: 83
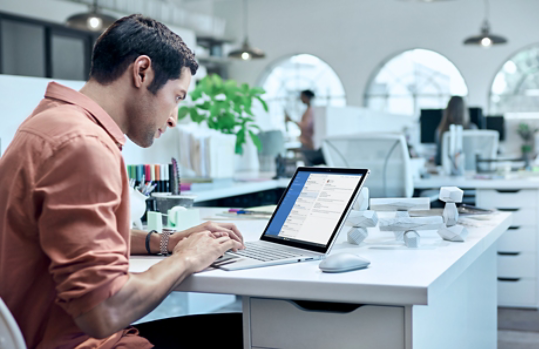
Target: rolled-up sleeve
x: 79, y: 188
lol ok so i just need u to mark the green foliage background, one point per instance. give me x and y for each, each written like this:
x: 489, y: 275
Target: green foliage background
x: 231, y: 114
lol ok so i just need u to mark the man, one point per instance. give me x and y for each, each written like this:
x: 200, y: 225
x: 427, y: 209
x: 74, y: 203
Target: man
x: 64, y: 206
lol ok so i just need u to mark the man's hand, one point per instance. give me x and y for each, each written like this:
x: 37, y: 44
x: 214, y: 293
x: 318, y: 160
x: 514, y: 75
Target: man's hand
x: 216, y: 229
x: 201, y: 249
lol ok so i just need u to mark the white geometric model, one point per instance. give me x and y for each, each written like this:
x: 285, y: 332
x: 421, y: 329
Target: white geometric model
x: 402, y: 225
x: 356, y: 235
x: 361, y: 218
x: 456, y: 233
x: 411, y: 238
x: 400, y: 204
x: 362, y: 200
x: 451, y: 231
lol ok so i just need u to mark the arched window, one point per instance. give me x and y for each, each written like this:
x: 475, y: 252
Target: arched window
x: 286, y: 78
x: 516, y: 86
x: 413, y: 80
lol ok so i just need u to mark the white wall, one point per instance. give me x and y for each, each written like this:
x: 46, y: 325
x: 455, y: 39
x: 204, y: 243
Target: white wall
x: 19, y: 95
x: 355, y: 36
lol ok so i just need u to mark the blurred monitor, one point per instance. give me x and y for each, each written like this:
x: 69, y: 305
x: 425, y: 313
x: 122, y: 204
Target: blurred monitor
x: 476, y: 117
x: 429, y: 121
x: 497, y: 123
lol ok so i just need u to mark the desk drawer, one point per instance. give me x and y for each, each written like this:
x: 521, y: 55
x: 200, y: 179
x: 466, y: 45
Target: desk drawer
x: 287, y: 324
x: 493, y: 198
x: 518, y: 292
x: 522, y: 216
x: 518, y: 239
x: 517, y: 265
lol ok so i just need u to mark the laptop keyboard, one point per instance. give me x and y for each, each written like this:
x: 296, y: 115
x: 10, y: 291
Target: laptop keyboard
x: 264, y: 254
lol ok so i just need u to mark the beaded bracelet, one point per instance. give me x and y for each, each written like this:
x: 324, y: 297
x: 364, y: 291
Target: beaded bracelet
x: 148, y: 240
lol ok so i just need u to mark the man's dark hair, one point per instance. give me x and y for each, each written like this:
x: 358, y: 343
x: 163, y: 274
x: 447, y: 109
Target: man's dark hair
x: 308, y: 93
x: 133, y: 36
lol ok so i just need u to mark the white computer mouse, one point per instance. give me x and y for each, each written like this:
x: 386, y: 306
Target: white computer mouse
x: 337, y: 263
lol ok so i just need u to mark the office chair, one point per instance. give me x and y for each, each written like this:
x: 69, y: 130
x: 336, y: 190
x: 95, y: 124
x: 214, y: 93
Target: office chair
x: 10, y: 334
x: 385, y: 154
x: 474, y: 142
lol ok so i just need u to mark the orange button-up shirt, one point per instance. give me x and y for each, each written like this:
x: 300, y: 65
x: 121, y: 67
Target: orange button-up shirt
x: 64, y: 221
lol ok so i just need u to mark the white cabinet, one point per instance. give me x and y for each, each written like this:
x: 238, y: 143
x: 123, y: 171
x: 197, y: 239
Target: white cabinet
x: 517, y: 248
x: 277, y: 323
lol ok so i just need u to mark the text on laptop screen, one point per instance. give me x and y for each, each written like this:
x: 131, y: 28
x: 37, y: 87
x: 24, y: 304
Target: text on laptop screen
x: 313, y: 206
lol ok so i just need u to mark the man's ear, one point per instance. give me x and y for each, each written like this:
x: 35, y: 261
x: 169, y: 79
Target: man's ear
x: 142, y: 71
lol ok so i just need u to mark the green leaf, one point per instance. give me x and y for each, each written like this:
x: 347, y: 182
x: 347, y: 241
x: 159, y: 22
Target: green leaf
x: 256, y: 140
x: 264, y: 104
x: 240, y: 140
x: 204, y: 106
x: 182, y: 112
x: 195, y: 116
x: 257, y: 91
x: 248, y: 110
x: 196, y: 94
x: 245, y: 88
x: 231, y: 85
x: 215, y: 109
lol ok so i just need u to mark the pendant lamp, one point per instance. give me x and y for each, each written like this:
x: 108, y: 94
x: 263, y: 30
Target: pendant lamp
x: 92, y: 20
x: 246, y: 52
x: 485, y: 39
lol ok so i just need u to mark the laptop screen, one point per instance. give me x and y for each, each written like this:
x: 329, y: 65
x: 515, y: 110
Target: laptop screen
x: 314, y: 207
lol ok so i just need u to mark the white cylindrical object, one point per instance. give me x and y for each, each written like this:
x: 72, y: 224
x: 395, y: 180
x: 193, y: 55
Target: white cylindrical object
x: 452, y: 140
x: 458, y: 145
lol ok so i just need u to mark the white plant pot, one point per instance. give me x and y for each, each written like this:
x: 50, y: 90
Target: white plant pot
x: 248, y: 161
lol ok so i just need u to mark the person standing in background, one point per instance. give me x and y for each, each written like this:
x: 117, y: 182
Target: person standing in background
x: 455, y: 113
x: 306, y: 125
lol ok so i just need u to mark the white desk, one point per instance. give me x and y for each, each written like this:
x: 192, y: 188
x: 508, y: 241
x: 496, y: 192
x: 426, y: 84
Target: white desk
x: 439, y: 298
x: 518, y: 259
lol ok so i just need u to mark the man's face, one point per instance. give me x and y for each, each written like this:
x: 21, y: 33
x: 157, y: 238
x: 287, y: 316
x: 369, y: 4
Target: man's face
x: 152, y: 114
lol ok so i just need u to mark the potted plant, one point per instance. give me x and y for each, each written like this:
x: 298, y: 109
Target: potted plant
x: 226, y: 107
x: 527, y: 134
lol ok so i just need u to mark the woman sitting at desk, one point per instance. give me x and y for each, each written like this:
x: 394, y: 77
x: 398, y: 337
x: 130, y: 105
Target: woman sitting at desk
x: 455, y: 113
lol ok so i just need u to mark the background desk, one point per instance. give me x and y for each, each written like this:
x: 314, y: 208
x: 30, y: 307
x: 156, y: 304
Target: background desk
x: 439, y: 298
x: 518, y: 261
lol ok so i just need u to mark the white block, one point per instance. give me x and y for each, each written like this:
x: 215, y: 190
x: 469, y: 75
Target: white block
x: 450, y: 214
x: 411, y: 238
x: 363, y: 218
x: 456, y: 233
x: 357, y: 235
x: 411, y: 223
x: 400, y: 204
x: 451, y: 194
x: 362, y: 200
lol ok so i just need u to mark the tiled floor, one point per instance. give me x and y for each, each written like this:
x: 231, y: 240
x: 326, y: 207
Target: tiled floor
x: 518, y: 328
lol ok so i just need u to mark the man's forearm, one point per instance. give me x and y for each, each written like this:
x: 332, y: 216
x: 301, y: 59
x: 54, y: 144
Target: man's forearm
x: 138, y: 242
x: 139, y: 295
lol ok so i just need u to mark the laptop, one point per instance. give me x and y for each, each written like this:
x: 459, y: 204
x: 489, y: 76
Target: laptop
x: 306, y: 221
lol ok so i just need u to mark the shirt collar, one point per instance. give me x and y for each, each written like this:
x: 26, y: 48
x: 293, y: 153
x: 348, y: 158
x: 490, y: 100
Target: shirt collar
x: 68, y: 95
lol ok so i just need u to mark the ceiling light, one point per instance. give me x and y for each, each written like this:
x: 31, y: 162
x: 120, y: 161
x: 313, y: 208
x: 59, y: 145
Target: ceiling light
x: 485, y: 39
x: 246, y: 52
x: 93, y: 20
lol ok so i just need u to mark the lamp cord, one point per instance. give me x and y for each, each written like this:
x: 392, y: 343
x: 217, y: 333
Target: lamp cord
x: 245, y: 19
x: 384, y: 179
